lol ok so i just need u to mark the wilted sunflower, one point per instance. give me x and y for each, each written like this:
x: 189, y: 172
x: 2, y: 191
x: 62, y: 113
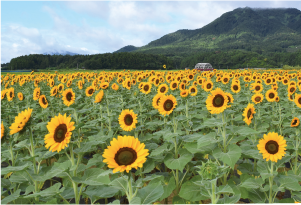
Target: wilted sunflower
x: 271, y: 95
x: 146, y: 89
x: 2, y: 129
x: 248, y: 113
x: 295, y: 122
x: 163, y: 89
x: 36, y: 93
x: 20, y: 121
x: 272, y: 146
x: 90, y: 90
x: 68, y: 97
x: 156, y: 100
x: 167, y: 104
x: 298, y: 100
x: 99, y: 96
x: 59, y: 129
x: 20, y: 96
x: 125, y: 153
x: 217, y: 101
x: 128, y: 120
x: 257, y: 98
x: 115, y: 86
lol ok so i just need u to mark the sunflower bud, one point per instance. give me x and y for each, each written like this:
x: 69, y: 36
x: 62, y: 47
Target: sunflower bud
x: 208, y: 170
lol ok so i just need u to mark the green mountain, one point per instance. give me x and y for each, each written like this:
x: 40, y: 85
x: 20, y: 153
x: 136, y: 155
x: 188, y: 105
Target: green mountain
x: 245, y: 29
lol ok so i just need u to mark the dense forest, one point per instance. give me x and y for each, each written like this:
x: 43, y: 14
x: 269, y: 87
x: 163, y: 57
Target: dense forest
x: 115, y: 61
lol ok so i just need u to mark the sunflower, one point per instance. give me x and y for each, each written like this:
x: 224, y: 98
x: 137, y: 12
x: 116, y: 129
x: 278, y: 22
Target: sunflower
x: 291, y: 89
x: 61, y: 87
x: 69, y: 83
x: 20, y: 96
x: 53, y: 91
x: 173, y: 85
x: 217, y: 101
x: 272, y: 146
x: 270, y: 95
x: 68, y: 97
x: 36, y: 93
x: 99, y: 96
x: 115, y: 86
x: 156, y: 100
x: 248, y: 113
x: 298, y: 100
x: 128, y: 120
x: 277, y: 99
x: 182, y: 86
x: 235, y: 88
x: 90, y: 90
x: 257, y: 98
x: 146, y: 89
x: 2, y: 129
x: 3, y: 93
x: 80, y: 85
x: 163, y: 88
x: 10, y: 94
x: 230, y: 98
x: 184, y: 93
x: 207, y: 85
x: 43, y: 101
x: 295, y: 122
x: 257, y: 87
x: 225, y: 79
x: 20, y: 121
x: 125, y: 153
x: 104, y: 85
x: 167, y: 104
x: 193, y: 91
x: 59, y: 129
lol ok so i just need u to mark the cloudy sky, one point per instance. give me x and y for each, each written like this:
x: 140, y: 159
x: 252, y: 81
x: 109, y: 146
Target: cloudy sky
x: 90, y: 27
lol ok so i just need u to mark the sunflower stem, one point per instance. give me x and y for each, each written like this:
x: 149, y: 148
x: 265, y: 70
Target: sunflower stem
x: 11, y: 152
x: 271, y: 184
x: 296, y: 159
x: 213, y: 195
x: 34, y: 162
x: 130, y: 193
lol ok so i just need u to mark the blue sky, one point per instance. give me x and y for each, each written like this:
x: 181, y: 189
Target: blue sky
x: 90, y: 27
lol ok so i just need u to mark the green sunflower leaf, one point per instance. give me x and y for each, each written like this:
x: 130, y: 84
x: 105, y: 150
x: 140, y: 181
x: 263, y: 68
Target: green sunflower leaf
x: 179, y: 163
x: 230, y: 157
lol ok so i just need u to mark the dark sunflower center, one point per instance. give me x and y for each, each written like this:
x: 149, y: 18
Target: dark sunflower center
x: 208, y: 86
x: 192, y: 90
x: 11, y: 94
x: 125, y: 156
x: 168, y: 105
x: 295, y: 122
x: 44, y: 101
x: 69, y: 96
x: 157, y: 81
x: 60, y: 88
x: 299, y: 100
x: 90, y: 91
x: 257, y: 99
x: 60, y: 132
x: 257, y: 88
x: 285, y: 81
x: 271, y: 95
x: 225, y: 80
x: 129, y: 84
x: 218, y: 101
x: 249, y: 113
x: 190, y: 77
x: 128, y: 119
x: 272, y: 147
x: 158, y: 101
x: 174, y: 85
x: 235, y: 87
x: 162, y: 90
x: 268, y: 80
x: 292, y: 89
x: 146, y: 88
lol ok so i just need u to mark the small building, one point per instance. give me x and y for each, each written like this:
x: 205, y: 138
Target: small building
x: 203, y: 66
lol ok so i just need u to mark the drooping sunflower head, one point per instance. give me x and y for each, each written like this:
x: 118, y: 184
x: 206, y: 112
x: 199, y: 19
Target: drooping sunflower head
x: 167, y: 104
x: 128, y: 120
x: 43, y: 101
x: 20, y: 96
x: 104, y: 85
x: 115, y: 86
x: 272, y: 146
x: 217, y: 101
x: 59, y: 136
x: 68, y: 97
x: 295, y: 122
x: 125, y: 153
x: 184, y: 93
x: 248, y: 113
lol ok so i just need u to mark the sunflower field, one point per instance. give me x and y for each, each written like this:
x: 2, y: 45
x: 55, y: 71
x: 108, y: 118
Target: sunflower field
x: 151, y: 137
